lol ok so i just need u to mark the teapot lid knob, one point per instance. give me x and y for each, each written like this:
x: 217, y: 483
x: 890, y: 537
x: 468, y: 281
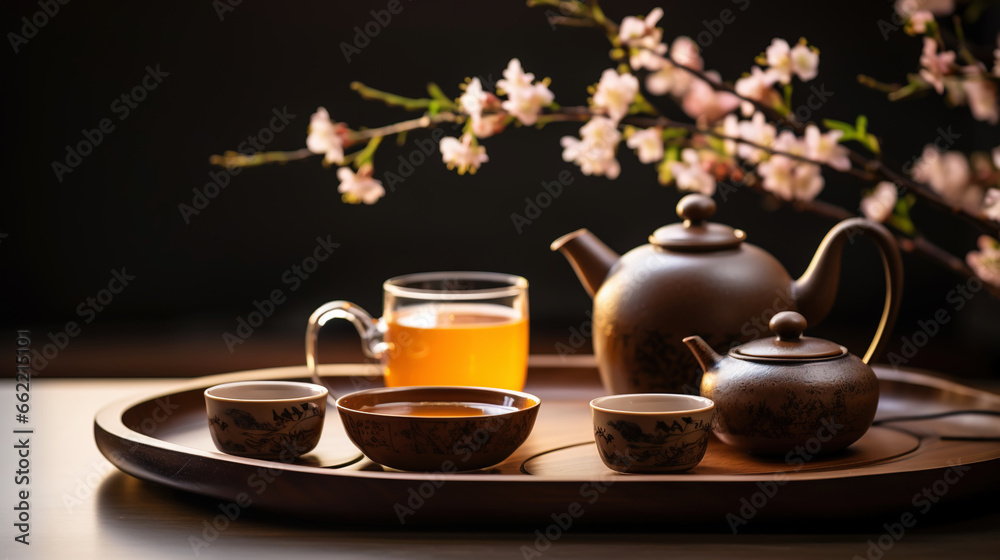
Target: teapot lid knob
x: 697, y: 234
x: 696, y: 208
x: 788, y: 325
x: 789, y: 345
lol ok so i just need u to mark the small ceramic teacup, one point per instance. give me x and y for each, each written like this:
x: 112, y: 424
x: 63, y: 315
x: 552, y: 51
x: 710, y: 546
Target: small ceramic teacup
x: 278, y: 420
x: 652, y: 432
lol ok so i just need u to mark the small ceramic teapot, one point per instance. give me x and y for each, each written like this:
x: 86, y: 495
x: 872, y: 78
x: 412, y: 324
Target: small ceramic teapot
x: 703, y: 278
x: 773, y: 395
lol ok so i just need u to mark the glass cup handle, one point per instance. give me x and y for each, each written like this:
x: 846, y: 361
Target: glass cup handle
x: 371, y: 337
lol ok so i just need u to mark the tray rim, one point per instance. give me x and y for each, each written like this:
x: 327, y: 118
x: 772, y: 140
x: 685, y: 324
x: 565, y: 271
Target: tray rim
x: 109, y: 420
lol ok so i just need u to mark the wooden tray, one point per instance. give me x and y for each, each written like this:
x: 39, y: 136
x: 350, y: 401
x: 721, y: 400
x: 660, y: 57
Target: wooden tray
x: 164, y: 438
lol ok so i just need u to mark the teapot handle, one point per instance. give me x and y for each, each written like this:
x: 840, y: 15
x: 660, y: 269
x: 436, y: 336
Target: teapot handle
x: 817, y: 287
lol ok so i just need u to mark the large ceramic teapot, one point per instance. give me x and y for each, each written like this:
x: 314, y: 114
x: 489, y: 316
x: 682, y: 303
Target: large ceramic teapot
x: 703, y: 278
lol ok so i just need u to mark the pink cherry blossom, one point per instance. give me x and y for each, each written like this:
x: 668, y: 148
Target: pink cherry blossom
x: 474, y: 99
x: 326, y: 137
x: 878, y: 205
x: 985, y: 263
x: 730, y: 128
x: 595, y: 150
x: 934, y: 66
x: 615, y: 93
x: 649, y: 143
x: 641, y: 36
x: 790, y: 179
x: 757, y: 86
x: 462, y: 155
x: 991, y: 204
x: 702, y: 101
x: 804, y: 62
x: 758, y: 131
x: 920, y: 19
x: 778, y: 61
x: 525, y: 98
x: 948, y: 173
x: 981, y: 94
x: 826, y: 148
x: 690, y: 175
x: 514, y: 77
x: 666, y: 76
x: 359, y: 187
x: 937, y: 7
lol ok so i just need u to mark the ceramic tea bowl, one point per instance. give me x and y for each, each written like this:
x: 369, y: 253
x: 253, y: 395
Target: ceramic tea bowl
x: 277, y: 420
x: 443, y: 429
x: 652, y: 432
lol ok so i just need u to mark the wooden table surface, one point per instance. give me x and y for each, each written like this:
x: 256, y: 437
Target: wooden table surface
x: 82, y: 507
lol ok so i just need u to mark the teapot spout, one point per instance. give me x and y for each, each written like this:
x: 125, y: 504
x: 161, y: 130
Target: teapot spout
x: 590, y: 257
x: 706, y: 357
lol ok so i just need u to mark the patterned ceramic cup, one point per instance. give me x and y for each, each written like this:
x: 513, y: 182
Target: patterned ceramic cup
x: 278, y: 420
x: 652, y: 432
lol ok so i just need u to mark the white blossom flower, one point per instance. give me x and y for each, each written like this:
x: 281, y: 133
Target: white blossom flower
x: 758, y: 131
x: 703, y: 101
x: 947, y: 173
x: 778, y: 61
x: 525, y: 98
x: 981, y: 94
x: 933, y: 66
x: 756, y: 86
x: 326, y: 137
x: 804, y: 62
x: 878, y: 205
x: 514, y: 77
x: 991, y: 204
x: 986, y: 262
x: 642, y: 36
x: 615, y: 93
x: 666, y: 77
x: 920, y: 19
x: 474, y: 99
x: 826, y: 148
x: 649, y: 143
x: 595, y: 150
x: 462, y: 155
x: 787, y: 142
x: 783, y: 61
x: 690, y: 175
x: 937, y: 7
x: 790, y: 179
x: 359, y: 187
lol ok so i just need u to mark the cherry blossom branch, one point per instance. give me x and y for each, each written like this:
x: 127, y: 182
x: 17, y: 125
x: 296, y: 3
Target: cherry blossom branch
x: 875, y: 166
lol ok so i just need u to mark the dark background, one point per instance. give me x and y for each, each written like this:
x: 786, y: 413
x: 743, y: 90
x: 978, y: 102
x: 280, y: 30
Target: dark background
x: 119, y: 207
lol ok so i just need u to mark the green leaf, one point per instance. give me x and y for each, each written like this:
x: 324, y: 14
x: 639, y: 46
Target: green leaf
x: 434, y: 107
x: 670, y: 133
x: 788, y: 95
x: 861, y: 126
x: 839, y: 125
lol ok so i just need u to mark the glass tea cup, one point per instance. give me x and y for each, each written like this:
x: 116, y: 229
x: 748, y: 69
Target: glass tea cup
x: 441, y: 328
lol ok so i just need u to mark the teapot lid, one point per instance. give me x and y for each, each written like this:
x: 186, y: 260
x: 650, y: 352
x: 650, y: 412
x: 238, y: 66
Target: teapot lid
x: 789, y: 344
x: 695, y: 233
